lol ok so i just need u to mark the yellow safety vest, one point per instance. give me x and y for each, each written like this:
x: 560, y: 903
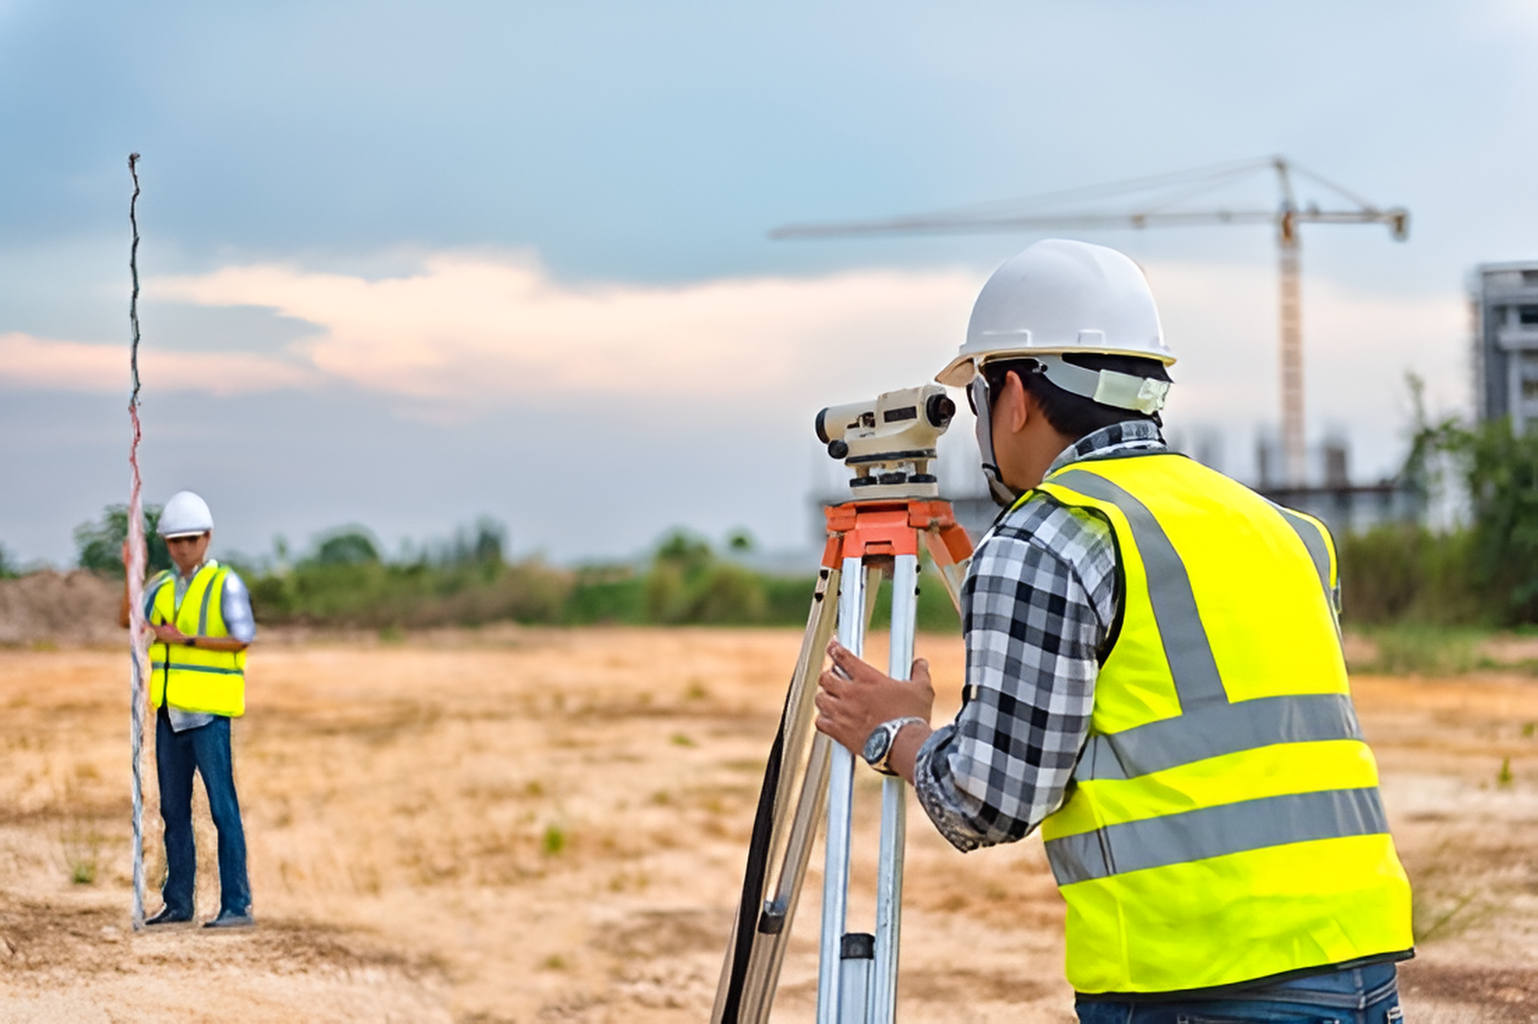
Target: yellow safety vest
x: 1224, y: 824
x: 195, y: 678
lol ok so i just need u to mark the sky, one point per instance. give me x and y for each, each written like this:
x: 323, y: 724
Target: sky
x: 409, y: 264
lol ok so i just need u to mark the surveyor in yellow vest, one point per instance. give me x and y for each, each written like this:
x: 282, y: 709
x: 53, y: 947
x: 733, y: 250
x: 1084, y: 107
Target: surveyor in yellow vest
x: 1154, y: 678
x: 200, y: 613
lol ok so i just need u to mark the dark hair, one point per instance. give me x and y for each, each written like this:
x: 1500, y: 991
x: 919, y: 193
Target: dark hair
x: 1074, y: 415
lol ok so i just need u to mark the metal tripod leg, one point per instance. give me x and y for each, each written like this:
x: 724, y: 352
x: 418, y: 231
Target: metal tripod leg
x: 889, y: 878
x: 835, y: 879
x: 857, y: 985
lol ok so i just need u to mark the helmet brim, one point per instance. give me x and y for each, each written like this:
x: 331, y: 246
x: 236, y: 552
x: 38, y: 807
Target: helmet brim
x: 958, y: 373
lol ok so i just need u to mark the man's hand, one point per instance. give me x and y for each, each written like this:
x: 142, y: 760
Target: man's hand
x: 169, y: 634
x: 850, y: 709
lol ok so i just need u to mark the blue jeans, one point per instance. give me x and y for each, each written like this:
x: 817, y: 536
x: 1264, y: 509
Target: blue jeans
x: 1361, y: 995
x: 177, y: 754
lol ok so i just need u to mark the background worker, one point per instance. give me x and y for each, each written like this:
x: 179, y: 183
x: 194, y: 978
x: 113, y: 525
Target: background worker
x: 200, y: 613
x: 1154, y: 676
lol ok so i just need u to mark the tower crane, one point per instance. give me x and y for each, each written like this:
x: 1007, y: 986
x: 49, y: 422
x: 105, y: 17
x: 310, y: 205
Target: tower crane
x: 1160, y: 194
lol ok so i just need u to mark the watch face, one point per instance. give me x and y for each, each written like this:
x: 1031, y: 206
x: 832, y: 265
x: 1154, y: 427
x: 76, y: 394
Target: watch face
x: 876, y: 744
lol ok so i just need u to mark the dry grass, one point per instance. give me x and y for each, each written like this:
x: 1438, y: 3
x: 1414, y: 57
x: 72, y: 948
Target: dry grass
x: 551, y: 826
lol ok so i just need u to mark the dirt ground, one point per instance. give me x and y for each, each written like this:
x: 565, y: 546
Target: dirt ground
x: 513, y: 825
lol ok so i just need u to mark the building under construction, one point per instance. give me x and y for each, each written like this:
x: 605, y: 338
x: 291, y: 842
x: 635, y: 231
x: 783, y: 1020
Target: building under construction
x: 1505, y: 312
x: 1330, y: 494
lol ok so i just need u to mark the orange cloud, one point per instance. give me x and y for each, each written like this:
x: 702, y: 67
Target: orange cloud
x: 79, y: 366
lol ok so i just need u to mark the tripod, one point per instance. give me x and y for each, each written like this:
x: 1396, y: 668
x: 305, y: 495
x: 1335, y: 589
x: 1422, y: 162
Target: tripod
x: 857, y: 973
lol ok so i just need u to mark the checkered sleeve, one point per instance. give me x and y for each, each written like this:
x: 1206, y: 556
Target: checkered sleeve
x: 235, y: 606
x: 1037, y: 607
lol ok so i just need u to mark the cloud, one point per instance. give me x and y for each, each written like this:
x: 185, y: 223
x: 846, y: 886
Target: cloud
x: 47, y: 364
x: 1506, y: 16
x: 477, y: 329
x: 1357, y: 345
x: 469, y: 332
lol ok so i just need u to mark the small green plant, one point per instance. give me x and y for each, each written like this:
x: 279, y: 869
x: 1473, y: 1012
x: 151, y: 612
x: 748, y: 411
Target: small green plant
x: 82, y: 854
x: 696, y: 690
x: 1504, y: 776
x: 554, y: 962
x: 678, y: 739
x: 1528, y: 728
x: 553, y: 841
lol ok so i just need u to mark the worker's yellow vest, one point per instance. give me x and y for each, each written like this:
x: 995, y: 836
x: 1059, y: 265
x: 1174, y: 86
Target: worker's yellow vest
x: 1224, y: 824
x: 195, y: 678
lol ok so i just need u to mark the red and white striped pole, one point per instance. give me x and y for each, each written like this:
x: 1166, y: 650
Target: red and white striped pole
x: 134, y: 565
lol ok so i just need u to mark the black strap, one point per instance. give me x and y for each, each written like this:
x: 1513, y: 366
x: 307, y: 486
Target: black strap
x: 754, y: 877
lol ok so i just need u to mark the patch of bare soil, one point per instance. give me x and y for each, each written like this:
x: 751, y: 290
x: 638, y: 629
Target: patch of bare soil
x: 551, y: 826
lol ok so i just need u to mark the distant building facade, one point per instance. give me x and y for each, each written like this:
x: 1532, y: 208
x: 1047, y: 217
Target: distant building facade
x: 1505, y: 308
x: 1342, y: 504
x: 1345, y: 505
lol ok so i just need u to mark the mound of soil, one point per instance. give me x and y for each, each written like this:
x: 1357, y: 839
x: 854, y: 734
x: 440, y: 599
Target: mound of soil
x: 50, y: 607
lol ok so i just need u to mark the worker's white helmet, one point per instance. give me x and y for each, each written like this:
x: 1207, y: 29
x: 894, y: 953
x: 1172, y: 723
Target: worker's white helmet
x: 185, y: 515
x: 1060, y: 297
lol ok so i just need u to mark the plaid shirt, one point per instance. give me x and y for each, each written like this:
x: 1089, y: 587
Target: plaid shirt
x: 1037, y: 606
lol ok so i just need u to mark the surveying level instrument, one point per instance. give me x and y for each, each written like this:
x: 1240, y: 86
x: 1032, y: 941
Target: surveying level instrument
x: 889, y: 445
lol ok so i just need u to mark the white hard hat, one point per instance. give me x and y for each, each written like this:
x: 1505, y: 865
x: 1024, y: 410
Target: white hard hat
x: 1060, y: 297
x: 185, y: 515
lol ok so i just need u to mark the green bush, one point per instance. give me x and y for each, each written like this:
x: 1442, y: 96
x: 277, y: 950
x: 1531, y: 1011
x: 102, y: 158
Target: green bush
x: 344, y: 580
x: 380, y: 594
x: 1498, y: 470
x: 605, y: 595
x: 1421, y: 649
x: 664, y: 593
x: 727, y: 595
x: 1398, y: 572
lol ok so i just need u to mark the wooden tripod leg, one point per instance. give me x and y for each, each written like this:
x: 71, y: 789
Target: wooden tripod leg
x: 780, y: 848
x: 951, y: 550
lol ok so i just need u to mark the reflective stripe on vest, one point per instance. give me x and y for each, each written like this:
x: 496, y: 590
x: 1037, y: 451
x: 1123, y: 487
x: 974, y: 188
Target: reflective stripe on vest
x: 1215, y: 831
x: 196, y: 678
x: 1312, y: 533
x: 1218, y: 729
x: 1169, y: 590
x: 1225, y: 824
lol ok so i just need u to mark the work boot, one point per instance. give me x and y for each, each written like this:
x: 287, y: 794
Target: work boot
x: 169, y: 916
x: 231, y: 919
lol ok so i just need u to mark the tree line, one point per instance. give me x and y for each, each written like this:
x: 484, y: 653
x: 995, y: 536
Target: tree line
x: 1483, y: 572
x: 345, y: 579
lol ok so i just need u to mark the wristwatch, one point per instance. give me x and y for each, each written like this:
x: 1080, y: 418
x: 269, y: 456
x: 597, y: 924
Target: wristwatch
x: 878, y: 745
